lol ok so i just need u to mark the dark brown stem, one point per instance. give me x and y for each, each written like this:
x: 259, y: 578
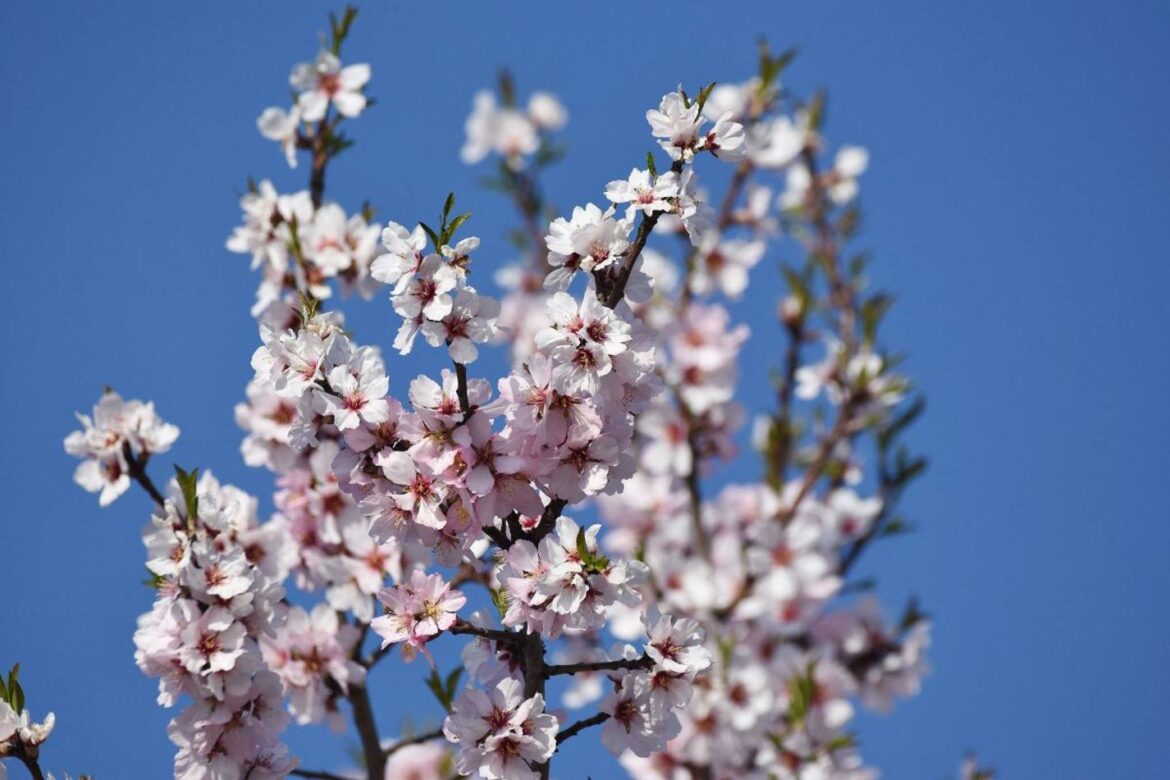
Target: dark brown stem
x: 581, y: 725
x: 630, y: 257
x: 825, y: 246
x: 691, y: 480
x: 532, y: 649
x: 367, y: 728
x: 30, y: 762
x: 426, y: 736
x: 528, y: 204
x: 644, y: 662
x: 738, y: 180
x: 461, y: 389
x: 783, y: 453
x: 320, y: 161
x: 510, y: 638
x: 136, y: 468
x: 841, y: 428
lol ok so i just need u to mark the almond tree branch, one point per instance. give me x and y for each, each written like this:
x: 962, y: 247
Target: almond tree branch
x: 643, y: 662
x: 581, y: 725
x: 136, y: 468
x: 367, y: 728
x: 614, y: 296
x: 426, y: 736
x: 510, y: 638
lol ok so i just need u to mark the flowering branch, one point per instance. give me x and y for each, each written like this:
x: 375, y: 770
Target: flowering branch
x: 617, y: 290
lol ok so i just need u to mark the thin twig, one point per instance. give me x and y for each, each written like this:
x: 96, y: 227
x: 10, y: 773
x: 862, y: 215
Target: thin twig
x: 136, y: 468
x: 426, y: 736
x: 581, y: 725
x: 510, y: 638
x: 630, y: 257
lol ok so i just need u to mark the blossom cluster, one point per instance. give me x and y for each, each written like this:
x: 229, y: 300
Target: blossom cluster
x: 217, y: 573
x: 732, y: 652
x: 118, y: 434
x: 20, y: 735
x: 508, y: 131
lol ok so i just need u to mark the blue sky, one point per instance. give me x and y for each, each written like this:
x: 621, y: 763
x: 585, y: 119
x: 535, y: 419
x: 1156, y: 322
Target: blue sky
x: 1015, y: 204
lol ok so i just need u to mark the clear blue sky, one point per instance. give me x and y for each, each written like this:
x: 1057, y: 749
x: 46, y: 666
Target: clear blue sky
x: 1016, y: 203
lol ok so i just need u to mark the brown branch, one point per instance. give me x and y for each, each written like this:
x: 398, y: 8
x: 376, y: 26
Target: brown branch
x: 367, y: 728
x: 136, y: 469
x: 643, y: 662
x: 426, y: 736
x: 320, y: 160
x: 691, y: 480
x: 628, y: 258
x: 841, y: 428
x: 29, y: 760
x: 532, y: 658
x: 738, y: 180
x: 461, y: 390
x: 580, y: 726
x: 510, y: 638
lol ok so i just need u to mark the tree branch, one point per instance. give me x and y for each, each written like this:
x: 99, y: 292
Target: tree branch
x: 580, y: 726
x: 630, y: 256
x: 426, y: 736
x: 510, y: 638
x: 136, y: 468
x: 644, y: 662
x: 367, y: 728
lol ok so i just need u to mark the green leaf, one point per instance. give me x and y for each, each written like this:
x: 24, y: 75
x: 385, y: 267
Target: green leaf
x: 896, y: 527
x: 500, y: 601
x: 840, y: 742
x: 650, y: 166
x: 594, y: 563
x: 801, y: 690
x: 188, y: 484
x: 432, y: 235
x: 339, y: 29
x: 3, y: 689
x: 448, y: 205
x: 704, y: 93
x: 153, y: 581
x: 583, y: 547
x: 435, y: 683
x: 452, y: 682
x: 449, y: 231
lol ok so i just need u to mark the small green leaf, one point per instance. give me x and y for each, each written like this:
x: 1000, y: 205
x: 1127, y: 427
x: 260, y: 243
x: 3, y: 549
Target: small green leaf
x: 432, y: 235
x: 455, y: 225
x: 448, y: 205
x: 452, y: 682
x: 650, y: 166
x: 704, y: 93
x: 500, y: 601
x: 188, y: 484
x: 840, y: 742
